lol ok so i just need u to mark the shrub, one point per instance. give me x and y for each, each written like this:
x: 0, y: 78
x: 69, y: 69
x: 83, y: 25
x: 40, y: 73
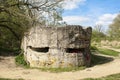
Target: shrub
x: 21, y: 61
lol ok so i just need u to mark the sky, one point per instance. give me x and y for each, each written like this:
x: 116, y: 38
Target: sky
x: 90, y: 12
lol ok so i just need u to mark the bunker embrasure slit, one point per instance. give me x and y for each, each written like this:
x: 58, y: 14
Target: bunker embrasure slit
x: 39, y: 49
x: 74, y: 50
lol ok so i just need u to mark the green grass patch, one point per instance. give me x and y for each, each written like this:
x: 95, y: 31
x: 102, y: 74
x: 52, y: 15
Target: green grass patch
x: 9, y: 79
x: 108, y: 52
x: 111, y: 77
x: 57, y: 70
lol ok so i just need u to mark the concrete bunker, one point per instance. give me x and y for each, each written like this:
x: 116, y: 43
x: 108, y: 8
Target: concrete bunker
x: 55, y: 47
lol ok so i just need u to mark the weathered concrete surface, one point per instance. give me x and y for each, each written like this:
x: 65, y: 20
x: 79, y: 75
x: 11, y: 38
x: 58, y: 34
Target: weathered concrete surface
x: 57, y: 46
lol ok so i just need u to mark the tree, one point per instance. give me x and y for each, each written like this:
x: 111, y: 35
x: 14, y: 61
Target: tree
x: 98, y: 28
x: 114, y: 28
x: 98, y: 33
x: 17, y: 16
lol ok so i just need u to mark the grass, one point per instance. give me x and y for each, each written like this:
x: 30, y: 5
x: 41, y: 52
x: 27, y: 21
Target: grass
x: 9, y: 79
x: 108, y: 52
x: 57, y: 70
x: 105, y: 51
x: 111, y: 77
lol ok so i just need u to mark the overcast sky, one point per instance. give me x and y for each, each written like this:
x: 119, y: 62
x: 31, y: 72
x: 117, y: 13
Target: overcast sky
x: 91, y: 12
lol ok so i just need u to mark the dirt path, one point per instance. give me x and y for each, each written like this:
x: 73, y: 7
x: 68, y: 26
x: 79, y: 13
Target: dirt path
x: 8, y: 69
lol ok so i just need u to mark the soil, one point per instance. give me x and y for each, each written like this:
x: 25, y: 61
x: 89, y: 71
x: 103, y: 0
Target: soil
x: 8, y: 69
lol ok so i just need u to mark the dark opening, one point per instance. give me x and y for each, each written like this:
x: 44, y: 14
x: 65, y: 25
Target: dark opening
x: 43, y: 49
x: 74, y: 50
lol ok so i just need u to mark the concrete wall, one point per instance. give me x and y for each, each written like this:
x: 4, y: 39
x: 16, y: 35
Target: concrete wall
x: 57, y: 47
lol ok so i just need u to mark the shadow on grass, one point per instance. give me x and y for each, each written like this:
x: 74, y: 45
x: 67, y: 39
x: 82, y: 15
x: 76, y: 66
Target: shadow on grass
x: 98, y: 59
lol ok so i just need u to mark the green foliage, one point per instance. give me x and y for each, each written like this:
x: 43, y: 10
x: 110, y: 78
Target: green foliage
x: 9, y: 51
x: 108, y: 52
x: 7, y: 40
x: 13, y: 24
x: 18, y: 16
x: 5, y: 50
x: 21, y: 61
x: 110, y: 77
x: 114, y: 28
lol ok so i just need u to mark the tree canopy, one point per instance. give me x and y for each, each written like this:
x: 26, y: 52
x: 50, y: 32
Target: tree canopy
x: 114, y: 28
x: 17, y: 16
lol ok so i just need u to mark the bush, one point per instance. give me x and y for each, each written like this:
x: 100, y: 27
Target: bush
x: 21, y: 61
